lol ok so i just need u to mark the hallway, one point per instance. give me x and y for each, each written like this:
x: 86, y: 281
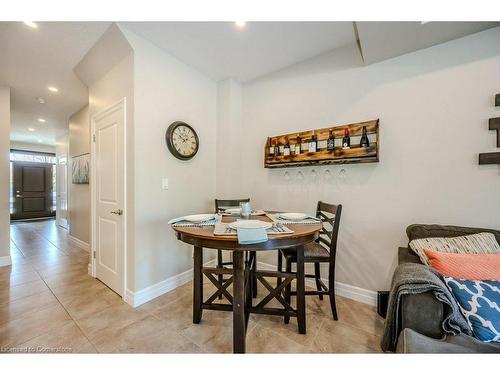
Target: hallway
x: 49, y: 303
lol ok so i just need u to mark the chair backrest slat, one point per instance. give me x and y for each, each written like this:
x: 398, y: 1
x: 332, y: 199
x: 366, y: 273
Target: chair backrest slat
x: 329, y: 214
x: 325, y: 241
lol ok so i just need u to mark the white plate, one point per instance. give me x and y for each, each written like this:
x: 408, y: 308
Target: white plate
x: 293, y: 216
x: 250, y: 224
x: 198, y: 218
x: 232, y: 211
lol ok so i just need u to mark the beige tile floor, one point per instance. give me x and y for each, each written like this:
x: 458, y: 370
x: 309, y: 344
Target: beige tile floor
x: 48, y: 303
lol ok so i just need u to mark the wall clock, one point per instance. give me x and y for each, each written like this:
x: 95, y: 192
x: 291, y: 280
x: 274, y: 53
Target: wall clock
x: 182, y: 141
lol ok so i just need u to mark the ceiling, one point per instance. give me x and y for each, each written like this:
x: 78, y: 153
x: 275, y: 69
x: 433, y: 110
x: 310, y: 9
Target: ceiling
x: 384, y: 40
x: 33, y: 59
x: 222, y: 50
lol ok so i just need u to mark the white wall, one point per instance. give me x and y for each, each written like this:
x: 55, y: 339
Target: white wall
x: 167, y: 90
x: 4, y: 176
x: 433, y: 107
x: 79, y: 194
x: 229, y: 128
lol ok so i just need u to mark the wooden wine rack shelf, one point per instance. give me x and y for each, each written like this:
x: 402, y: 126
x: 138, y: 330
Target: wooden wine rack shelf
x: 354, y: 155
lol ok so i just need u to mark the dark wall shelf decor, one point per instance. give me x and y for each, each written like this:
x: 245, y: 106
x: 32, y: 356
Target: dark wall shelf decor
x: 489, y: 158
x: 354, y: 155
x: 494, y: 124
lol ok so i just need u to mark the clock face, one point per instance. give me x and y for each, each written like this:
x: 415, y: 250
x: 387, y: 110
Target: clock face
x: 182, y: 140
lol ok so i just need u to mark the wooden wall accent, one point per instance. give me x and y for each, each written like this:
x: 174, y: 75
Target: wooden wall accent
x: 354, y: 155
x: 489, y: 158
x: 494, y: 124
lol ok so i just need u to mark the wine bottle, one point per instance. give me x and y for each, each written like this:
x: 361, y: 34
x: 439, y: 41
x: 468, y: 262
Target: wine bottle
x: 270, y: 147
x: 364, y: 139
x: 286, y: 148
x: 313, y: 144
x: 276, y: 148
x: 346, y: 141
x: 330, y: 144
x: 298, y: 145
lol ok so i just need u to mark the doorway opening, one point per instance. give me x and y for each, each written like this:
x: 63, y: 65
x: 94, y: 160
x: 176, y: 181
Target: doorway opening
x: 32, y: 185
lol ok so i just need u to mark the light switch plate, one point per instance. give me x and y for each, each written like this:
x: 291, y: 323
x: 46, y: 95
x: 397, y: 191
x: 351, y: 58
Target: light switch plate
x: 164, y: 183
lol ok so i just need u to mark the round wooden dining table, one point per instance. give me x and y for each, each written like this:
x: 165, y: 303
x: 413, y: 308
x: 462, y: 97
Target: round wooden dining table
x: 244, y: 275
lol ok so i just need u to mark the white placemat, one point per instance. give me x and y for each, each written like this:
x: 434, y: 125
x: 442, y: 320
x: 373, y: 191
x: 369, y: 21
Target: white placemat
x: 223, y: 229
x: 202, y: 224
x: 275, y: 218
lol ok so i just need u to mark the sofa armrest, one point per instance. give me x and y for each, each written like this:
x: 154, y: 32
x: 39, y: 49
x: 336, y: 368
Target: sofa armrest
x: 405, y: 255
x: 412, y: 342
x: 423, y: 313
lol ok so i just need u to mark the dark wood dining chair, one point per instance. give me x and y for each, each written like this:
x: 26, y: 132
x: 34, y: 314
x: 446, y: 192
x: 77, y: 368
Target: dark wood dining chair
x: 323, y: 250
x: 220, y: 205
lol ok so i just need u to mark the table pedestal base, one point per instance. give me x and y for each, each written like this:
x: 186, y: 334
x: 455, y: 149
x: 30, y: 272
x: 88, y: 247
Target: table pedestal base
x: 244, y: 278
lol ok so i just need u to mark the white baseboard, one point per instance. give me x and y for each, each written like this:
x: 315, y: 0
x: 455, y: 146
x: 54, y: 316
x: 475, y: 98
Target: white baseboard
x: 345, y: 290
x: 142, y: 296
x: 5, y: 261
x: 81, y: 244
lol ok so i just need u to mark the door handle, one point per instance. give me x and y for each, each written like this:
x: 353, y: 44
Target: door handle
x: 118, y: 212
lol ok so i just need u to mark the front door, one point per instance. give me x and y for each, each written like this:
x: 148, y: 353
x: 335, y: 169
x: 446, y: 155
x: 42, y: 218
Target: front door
x: 32, y: 190
x: 108, y: 196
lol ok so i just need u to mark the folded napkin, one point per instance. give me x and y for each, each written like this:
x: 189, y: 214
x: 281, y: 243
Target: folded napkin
x: 222, y: 229
x: 249, y: 236
x: 182, y: 218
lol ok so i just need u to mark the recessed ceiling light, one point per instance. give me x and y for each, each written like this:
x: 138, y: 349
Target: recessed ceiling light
x: 53, y: 89
x: 240, y: 24
x: 41, y: 120
x: 31, y: 24
x: 40, y: 100
x: 31, y: 129
x: 40, y: 141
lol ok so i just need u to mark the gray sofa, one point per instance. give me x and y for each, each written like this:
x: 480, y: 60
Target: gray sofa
x: 422, y: 314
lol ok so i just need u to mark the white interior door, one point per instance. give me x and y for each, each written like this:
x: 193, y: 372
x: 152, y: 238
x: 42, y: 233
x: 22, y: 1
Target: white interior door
x: 109, y: 195
x: 62, y: 191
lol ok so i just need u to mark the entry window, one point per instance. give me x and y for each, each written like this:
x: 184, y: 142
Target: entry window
x: 32, y: 157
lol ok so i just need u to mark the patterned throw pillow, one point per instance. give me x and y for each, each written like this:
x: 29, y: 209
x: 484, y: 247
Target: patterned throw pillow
x: 479, y: 302
x: 480, y: 243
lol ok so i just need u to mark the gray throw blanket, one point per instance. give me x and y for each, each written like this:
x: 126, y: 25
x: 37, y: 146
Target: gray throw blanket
x: 414, y: 278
